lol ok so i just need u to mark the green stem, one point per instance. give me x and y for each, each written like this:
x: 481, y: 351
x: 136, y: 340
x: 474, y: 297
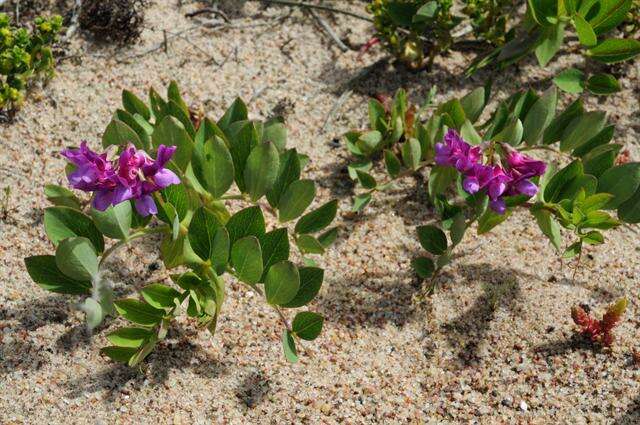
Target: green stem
x: 133, y: 236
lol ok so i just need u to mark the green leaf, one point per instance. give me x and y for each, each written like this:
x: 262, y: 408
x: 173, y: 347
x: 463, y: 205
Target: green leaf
x: 424, y: 267
x: 296, y: 198
x: 144, y: 351
x: 560, y: 179
x: 440, y: 179
x: 432, y: 239
x: 548, y: 225
x: 208, y: 238
x: 178, y: 251
x: 134, y: 105
x: 427, y: 12
x: 361, y: 201
x: 173, y: 95
x: 570, y: 80
x: 572, y: 250
x: 603, y: 84
x: 246, y: 257
x: 392, y: 163
x: 43, y: 270
x: 470, y: 134
x: 600, y: 159
x: 550, y: 41
x: 490, y: 219
x: 158, y: 105
x: 281, y: 283
x: 76, y: 258
x: 621, y: 181
x: 310, y: 283
x: 171, y: 132
x: 159, y: 296
x: 64, y: 222
x: 213, y: 166
x: 629, y: 210
x: 593, y: 238
x: 307, y: 325
x: 581, y: 129
x: 411, y: 153
x: 236, y: 112
x: 473, y: 104
x: 511, y: 134
x: 615, y: 50
x: 328, y: 237
x: 275, y: 132
x: 317, y: 219
x: 115, y: 221
x: 557, y: 127
x: 119, y: 354
x: 138, y: 312
x: 289, y: 346
x: 119, y: 134
x: 309, y: 244
x: 458, y: 228
x: 142, y: 128
x: 369, y: 142
x: 261, y: 170
x: 61, y: 196
x: 586, y: 35
x: 542, y: 10
x: 289, y: 171
x: 275, y: 247
x: 454, y: 109
x: 246, y: 222
x: 602, y: 138
x: 128, y: 337
x: 610, y: 14
x: 540, y: 116
x: 366, y: 180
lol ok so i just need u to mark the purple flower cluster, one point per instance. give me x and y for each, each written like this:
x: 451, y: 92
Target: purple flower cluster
x: 133, y: 175
x: 511, y: 180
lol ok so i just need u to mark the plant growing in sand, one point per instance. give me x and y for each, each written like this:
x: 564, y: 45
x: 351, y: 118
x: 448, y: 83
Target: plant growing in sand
x: 416, y: 31
x: 478, y: 172
x: 25, y: 56
x: 118, y: 21
x: 599, y: 331
x: 598, y: 25
x: 171, y: 175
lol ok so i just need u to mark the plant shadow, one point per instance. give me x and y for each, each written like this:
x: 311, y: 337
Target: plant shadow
x: 501, y: 290
x: 176, y: 353
x: 253, y: 389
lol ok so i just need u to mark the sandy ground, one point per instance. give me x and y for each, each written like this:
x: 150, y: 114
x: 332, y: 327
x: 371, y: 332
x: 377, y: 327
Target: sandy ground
x: 495, y: 344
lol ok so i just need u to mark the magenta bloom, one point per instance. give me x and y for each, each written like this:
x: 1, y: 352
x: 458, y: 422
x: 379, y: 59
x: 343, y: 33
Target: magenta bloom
x: 455, y: 152
x: 489, y: 177
x: 134, y: 175
x: 521, y: 168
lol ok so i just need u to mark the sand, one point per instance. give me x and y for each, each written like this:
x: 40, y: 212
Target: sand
x: 494, y: 344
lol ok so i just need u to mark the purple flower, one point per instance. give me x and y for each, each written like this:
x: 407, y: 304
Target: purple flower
x: 521, y: 168
x: 134, y: 175
x: 455, y: 152
x: 93, y: 171
x: 489, y: 177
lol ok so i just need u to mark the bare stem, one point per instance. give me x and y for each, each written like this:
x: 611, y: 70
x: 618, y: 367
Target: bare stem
x: 318, y: 7
x: 113, y: 248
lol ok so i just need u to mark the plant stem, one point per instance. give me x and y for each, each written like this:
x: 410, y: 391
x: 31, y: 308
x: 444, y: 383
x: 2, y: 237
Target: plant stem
x: 137, y: 235
x: 318, y: 7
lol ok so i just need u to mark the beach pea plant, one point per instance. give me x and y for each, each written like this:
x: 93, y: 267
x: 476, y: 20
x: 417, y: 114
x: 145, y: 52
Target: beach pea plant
x: 600, y: 28
x: 481, y: 171
x: 25, y: 56
x: 416, y: 31
x: 203, y: 187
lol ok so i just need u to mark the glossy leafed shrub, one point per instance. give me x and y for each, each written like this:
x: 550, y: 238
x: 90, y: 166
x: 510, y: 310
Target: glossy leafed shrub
x: 600, y: 28
x: 416, y: 31
x: 204, y: 187
x: 479, y: 172
x: 24, y: 57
